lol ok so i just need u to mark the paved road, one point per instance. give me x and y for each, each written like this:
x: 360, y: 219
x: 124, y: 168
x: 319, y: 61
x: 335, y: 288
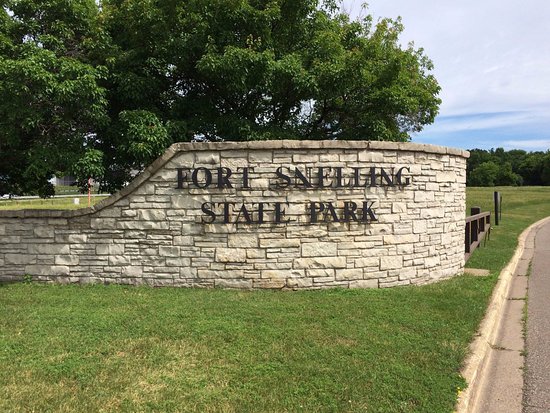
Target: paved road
x: 536, y: 390
x: 508, y: 381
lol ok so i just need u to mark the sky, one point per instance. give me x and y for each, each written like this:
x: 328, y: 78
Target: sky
x: 492, y: 61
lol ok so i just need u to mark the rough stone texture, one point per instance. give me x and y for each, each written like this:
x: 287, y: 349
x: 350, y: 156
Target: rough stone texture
x: 154, y: 233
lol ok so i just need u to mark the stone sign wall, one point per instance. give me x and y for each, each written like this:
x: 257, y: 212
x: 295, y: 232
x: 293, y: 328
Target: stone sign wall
x: 276, y: 214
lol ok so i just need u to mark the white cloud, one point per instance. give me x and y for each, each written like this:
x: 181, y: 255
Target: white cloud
x: 489, y: 56
x: 528, y: 144
x: 528, y: 119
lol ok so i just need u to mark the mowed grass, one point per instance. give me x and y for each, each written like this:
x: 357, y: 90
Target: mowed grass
x: 521, y: 207
x: 114, y: 348
x: 49, y: 203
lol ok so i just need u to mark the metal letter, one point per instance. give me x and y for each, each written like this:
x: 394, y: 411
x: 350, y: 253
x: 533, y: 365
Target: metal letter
x: 283, y: 176
x: 322, y: 176
x: 314, y: 211
x: 246, y: 177
x: 226, y: 211
x: 349, y: 211
x: 338, y: 171
x: 332, y: 212
x: 385, y: 177
x: 368, y: 212
x: 261, y: 212
x: 399, y: 175
x: 298, y: 174
x: 207, y: 209
x: 223, y: 180
x: 280, y: 213
x: 245, y: 214
x: 181, y: 177
x: 207, y: 177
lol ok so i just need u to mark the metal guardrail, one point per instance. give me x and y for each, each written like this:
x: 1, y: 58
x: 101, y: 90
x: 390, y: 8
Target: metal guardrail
x: 478, y: 228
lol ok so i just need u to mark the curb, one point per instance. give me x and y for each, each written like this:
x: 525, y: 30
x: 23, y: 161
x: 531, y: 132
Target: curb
x: 475, y: 370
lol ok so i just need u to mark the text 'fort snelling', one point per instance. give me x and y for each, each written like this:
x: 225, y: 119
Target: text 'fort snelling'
x: 284, y: 179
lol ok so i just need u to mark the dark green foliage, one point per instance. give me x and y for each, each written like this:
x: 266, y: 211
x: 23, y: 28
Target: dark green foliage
x: 279, y: 69
x: 130, y: 77
x: 484, y: 175
x: 89, y: 166
x: 508, y: 168
x: 530, y: 168
x: 545, y: 174
x: 507, y: 177
x: 51, y: 102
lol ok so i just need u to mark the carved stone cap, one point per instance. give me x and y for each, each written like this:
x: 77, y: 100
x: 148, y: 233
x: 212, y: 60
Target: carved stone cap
x: 321, y: 144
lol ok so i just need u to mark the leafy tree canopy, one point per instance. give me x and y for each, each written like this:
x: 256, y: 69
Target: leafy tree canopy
x: 484, y: 175
x: 106, y: 88
x: 51, y: 100
x: 500, y: 167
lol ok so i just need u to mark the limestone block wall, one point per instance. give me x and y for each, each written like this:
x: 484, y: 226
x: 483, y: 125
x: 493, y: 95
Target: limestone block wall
x: 276, y: 214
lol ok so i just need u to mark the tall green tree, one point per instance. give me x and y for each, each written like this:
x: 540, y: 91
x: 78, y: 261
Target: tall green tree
x: 484, y: 175
x: 51, y: 102
x: 244, y: 70
x: 531, y: 168
x: 507, y: 177
x: 514, y: 167
x: 106, y: 87
x: 545, y: 169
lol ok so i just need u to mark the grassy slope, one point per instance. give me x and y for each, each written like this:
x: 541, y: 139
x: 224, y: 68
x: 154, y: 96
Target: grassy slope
x: 112, y: 348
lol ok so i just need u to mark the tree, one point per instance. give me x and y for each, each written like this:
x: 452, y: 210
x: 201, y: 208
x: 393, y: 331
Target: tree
x: 90, y: 166
x: 143, y: 74
x: 477, y: 157
x: 484, y: 175
x: 545, y: 169
x: 279, y: 69
x: 51, y: 102
x: 531, y: 168
x: 516, y: 157
x: 515, y: 167
x: 507, y: 177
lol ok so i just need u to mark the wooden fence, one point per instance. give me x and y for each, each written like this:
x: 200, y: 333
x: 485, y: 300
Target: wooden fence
x: 478, y: 228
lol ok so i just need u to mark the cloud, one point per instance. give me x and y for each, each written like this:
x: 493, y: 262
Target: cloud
x: 510, y: 130
x: 491, y: 61
x: 479, y: 121
x: 528, y: 144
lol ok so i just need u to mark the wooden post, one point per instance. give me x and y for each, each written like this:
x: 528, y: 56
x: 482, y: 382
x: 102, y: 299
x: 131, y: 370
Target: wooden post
x: 467, y: 240
x: 499, y: 206
x: 497, y: 198
x: 474, y: 224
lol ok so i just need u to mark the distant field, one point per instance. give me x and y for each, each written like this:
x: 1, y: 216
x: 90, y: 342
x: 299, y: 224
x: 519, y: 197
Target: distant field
x: 127, y: 349
x: 50, y: 203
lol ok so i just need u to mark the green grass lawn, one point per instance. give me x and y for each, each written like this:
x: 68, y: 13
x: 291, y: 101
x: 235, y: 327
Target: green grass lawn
x: 113, y: 348
x: 49, y: 203
x: 521, y: 207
